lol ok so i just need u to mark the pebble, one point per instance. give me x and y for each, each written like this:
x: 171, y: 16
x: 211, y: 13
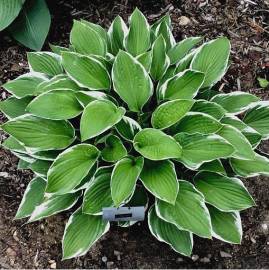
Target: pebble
x: 183, y: 20
x: 53, y: 265
x: 180, y: 259
x: 194, y: 257
x: 205, y: 260
x: 224, y: 254
x: 15, y: 236
x: 110, y: 264
x: 252, y: 240
x: 11, y: 252
x: 104, y: 259
x: 4, y: 174
x: 117, y: 253
x: 264, y: 227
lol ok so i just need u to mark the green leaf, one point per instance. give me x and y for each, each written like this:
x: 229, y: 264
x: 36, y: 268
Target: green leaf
x: 207, y: 93
x: 117, y: 33
x: 45, y: 155
x: 199, y: 148
x: 99, y: 116
x: 156, y: 145
x: 24, y: 157
x: 194, y: 122
x: 45, y: 62
x: 226, y: 226
x: 210, y: 108
x: 24, y: 85
x: 61, y: 81
x: 182, y: 48
x: 145, y: 59
x: 184, y: 85
x: 56, y: 105
x: 9, y: 10
x: 98, y: 28
x: 235, y: 102
x: 70, y: 167
x: 249, y: 168
x: 253, y: 136
x: 263, y: 82
x: 22, y: 165
x: 179, y: 240
x: 212, y: 59
x: 14, y: 145
x: 58, y: 49
x: 213, y: 166
x: 124, y: 177
x: 234, y: 121
x: 225, y: 193
x: 127, y: 128
x: 193, y: 217
x: 85, y: 97
x: 86, y: 71
x: 131, y: 81
x: 86, y: 40
x: 40, y: 167
x: 85, y: 182
x: 32, y: 25
x: 166, y: 18
x: 159, y: 177
x: 165, y: 30
x: 185, y: 62
x: 170, y: 112
x: 138, y: 38
x: 54, y: 205
x: 40, y: 134
x: 13, y: 107
x: 160, y: 61
x: 32, y: 197
x: 258, y: 118
x: 243, y: 148
x: 114, y: 149
x: 81, y: 232
x: 98, y: 193
x: 139, y: 198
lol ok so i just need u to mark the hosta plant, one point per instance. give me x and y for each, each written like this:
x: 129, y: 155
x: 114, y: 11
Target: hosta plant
x: 131, y: 117
x: 28, y: 21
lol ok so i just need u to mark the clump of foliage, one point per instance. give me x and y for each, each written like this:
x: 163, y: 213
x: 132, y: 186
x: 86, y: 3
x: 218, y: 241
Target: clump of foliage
x: 130, y: 117
x: 28, y: 21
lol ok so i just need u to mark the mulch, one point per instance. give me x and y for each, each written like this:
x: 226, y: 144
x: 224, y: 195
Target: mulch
x: 38, y: 245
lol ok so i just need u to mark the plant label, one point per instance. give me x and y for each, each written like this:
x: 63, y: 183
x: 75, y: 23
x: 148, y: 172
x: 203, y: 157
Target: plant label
x: 136, y: 213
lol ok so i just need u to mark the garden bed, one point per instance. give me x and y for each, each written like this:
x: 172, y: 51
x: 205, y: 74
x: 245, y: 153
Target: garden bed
x: 38, y: 245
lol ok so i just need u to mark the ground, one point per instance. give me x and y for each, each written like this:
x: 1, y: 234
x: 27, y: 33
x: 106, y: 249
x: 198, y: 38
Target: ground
x: 38, y: 245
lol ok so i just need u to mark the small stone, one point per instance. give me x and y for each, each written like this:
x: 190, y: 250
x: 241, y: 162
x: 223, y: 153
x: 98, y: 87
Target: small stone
x: 104, y: 259
x: 117, y: 253
x: 180, y: 259
x: 4, y: 174
x: 264, y: 227
x: 252, y: 240
x: 53, y: 265
x: 110, y: 264
x: 11, y: 252
x: 195, y: 258
x: 224, y: 254
x: 15, y: 236
x: 183, y: 20
x: 205, y: 260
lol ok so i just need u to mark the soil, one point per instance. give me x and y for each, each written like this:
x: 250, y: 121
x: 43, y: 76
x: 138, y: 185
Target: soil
x: 38, y: 245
